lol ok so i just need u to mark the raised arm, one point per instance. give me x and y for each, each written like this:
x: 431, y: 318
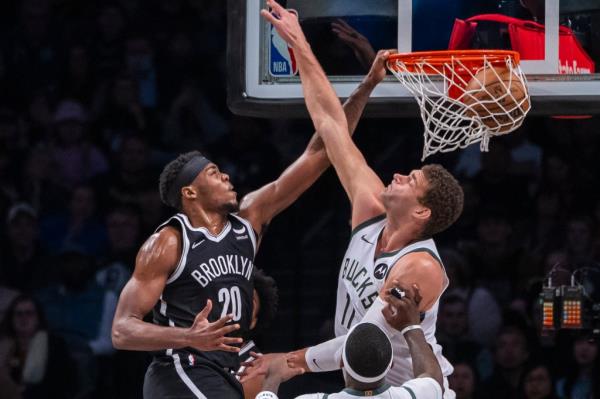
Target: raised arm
x: 359, y: 181
x: 260, y: 206
x: 403, y: 315
x: 154, y: 263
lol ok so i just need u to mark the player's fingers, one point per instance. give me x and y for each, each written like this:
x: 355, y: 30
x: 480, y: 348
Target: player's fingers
x: 206, y: 311
x: 417, y: 292
x: 255, y: 355
x: 346, y: 25
x: 339, y: 26
x: 215, y: 325
x: 387, y: 311
x: 232, y: 340
x: 269, y: 16
x: 226, y: 330
x: 227, y: 348
x: 276, y: 7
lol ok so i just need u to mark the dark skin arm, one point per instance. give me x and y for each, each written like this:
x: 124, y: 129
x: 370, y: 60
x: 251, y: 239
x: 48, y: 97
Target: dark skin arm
x: 155, y: 262
x: 401, y: 313
x: 260, y: 206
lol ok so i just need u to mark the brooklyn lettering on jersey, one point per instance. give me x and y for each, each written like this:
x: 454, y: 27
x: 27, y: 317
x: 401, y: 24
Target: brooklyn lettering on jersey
x: 359, y: 278
x: 221, y: 266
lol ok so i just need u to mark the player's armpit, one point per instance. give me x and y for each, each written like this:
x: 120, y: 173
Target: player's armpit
x: 418, y: 268
x: 365, y: 206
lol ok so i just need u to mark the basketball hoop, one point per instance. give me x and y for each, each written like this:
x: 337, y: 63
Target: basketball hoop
x: 481, y: 94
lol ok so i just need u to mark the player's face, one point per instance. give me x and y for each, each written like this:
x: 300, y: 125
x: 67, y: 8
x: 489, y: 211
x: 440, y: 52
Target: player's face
x: 215, y: 190
x: 404, y: 191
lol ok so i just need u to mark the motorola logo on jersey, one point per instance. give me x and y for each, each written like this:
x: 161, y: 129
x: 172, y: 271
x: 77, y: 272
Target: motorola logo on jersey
x: 380, y: 271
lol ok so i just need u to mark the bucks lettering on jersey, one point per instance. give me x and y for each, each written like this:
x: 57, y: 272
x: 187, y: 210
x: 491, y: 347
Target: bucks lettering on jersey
x: 362, y: 276
x: 218, y: 268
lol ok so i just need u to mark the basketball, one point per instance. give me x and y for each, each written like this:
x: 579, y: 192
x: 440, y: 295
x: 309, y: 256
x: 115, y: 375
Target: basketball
x: 496, y: 97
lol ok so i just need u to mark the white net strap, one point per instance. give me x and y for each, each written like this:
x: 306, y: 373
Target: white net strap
x: 475, y: 116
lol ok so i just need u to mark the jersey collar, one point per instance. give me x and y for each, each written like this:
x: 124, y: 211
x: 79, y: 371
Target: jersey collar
x: 356, y: 392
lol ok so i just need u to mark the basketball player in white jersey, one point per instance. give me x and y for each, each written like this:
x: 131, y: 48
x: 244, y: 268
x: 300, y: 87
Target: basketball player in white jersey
x: 391, y: 226
x: 367, y: 357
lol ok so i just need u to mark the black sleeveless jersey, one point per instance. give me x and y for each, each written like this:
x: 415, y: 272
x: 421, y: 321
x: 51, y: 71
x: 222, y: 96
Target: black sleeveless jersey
x: 219, y: 268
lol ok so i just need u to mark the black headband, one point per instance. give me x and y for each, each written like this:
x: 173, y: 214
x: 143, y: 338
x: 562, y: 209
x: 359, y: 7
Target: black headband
x: 187, y: 175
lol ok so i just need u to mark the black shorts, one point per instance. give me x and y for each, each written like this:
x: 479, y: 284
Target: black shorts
x: 176, y: 378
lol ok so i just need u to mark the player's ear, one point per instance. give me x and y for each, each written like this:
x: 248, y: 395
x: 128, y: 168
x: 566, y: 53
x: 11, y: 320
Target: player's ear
x: 422, y: 213
x: 188, y: 192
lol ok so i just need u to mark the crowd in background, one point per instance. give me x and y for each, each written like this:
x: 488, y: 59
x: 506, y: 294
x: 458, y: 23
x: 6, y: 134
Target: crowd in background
x: 95, y: 98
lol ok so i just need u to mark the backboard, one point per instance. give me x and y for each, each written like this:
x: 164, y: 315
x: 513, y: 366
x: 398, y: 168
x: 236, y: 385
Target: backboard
x: 559, y: 42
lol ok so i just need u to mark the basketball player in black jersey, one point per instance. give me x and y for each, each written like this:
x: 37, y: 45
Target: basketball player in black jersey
x: 195, y: 271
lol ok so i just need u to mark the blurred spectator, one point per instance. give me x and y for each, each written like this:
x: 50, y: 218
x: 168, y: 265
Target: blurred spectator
x: 32, y: 53
x: 547, y: 230
x: 580, y: 379
x: 33, y: 361
x: 537, y: 383
x: 131, y: 175
x: 123, y: 228
x: 139, y: 60
x: 511, y: 353
x: 8, y: 187
x: 40, y: 183
x: 179, y: 65
x: 109, y: 45
x: 579, y: 241
x: 23, y: 264
x: 77, y: 305
x: 452, y: 331
x: 483, y: 312
x: 79, y: 228
x: 192, y: 121
x: 464, y: 381
x: 120, y: 113
x: 497, y: 260
x: 78, y: 159
x: 40, y: 116
x: 78, y: 81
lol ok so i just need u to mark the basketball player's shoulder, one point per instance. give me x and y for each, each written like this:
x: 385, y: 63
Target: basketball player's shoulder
x: 161, y: 250
x: 419, y: 263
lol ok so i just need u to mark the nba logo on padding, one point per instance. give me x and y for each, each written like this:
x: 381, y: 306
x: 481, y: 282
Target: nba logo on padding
x: 282, y: 61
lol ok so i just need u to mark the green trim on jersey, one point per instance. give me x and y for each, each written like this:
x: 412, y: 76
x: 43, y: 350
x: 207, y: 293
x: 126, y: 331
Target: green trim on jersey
x: 412, y: 394
x: 355, y: 392
x: 429, y: 251
x: 367, y: 223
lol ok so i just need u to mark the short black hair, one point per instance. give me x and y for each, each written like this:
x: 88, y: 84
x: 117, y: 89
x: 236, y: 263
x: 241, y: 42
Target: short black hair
x: 169, y: 174
x: 266, y: 288
x: 368, y: 350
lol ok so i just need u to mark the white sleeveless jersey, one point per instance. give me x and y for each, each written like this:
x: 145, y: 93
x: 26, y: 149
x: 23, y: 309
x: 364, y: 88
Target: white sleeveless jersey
x: 360, y: 280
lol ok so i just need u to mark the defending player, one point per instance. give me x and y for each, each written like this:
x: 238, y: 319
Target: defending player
x: 195, y: 271
x: 368, y: 357
x: 391, y: 226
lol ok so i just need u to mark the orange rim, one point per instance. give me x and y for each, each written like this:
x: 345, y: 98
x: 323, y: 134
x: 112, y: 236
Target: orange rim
x: 472, y: 59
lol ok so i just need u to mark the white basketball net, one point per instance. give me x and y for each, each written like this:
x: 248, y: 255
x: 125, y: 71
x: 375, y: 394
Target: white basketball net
x: 451, y: 123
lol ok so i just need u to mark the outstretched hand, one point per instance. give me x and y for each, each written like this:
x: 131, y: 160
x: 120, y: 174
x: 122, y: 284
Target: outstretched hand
x: 272, y: 366
x: 285, y: 22
x: 378, y: 68
x: 400, y: 313
x: 206, y: 336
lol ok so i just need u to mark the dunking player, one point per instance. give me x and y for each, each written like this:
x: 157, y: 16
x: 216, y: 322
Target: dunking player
x: 195, y: 271
x: 391, y: 226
